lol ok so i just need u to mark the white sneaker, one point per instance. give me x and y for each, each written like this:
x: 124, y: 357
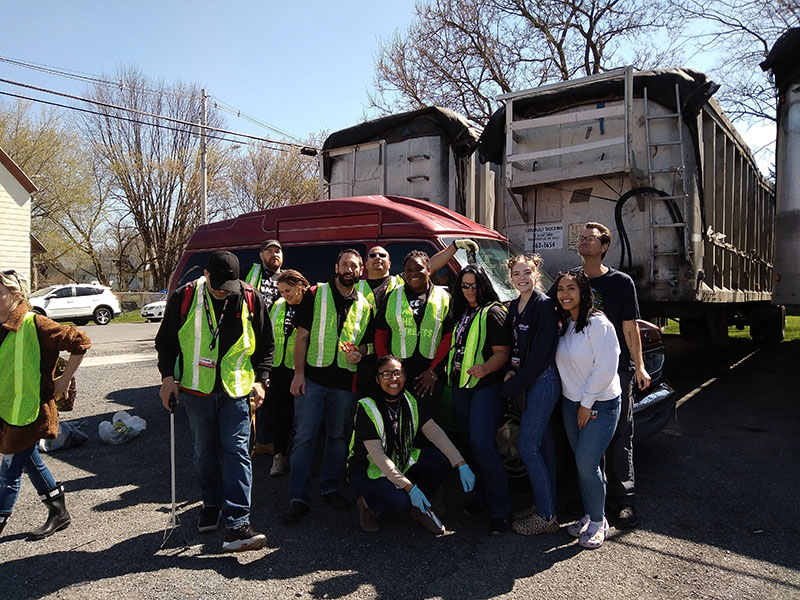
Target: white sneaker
x: 578, y: 529
x: 594, y: 536
x: 280, y: 464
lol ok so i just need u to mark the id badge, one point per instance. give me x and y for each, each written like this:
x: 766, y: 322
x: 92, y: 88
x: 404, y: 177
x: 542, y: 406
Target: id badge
x: 514, y: 361
x: 207, y: 362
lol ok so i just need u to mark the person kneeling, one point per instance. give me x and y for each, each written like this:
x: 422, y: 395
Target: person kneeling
x: 388, y: 472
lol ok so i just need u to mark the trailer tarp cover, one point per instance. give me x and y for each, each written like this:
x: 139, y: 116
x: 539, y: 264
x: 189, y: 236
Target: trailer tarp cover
x: 784, y: 59
x: 429, y: 121
x: 694, y: 88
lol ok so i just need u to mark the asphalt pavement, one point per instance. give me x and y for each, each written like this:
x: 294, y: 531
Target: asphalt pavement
x: 717, y: 493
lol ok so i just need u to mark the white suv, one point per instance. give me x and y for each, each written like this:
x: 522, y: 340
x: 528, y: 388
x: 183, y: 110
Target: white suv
x: 78, y: 303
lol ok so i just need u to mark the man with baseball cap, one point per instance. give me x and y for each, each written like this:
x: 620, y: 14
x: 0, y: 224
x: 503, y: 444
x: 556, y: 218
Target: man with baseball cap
x: 214, y: 346
x: 263, y: 275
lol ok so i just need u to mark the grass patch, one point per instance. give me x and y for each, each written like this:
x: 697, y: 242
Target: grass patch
x: 792, y: 329
x: 130, y: 317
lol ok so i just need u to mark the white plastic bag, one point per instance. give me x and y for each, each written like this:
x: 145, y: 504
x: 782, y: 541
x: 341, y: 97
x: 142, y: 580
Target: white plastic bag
x: 121, y: 429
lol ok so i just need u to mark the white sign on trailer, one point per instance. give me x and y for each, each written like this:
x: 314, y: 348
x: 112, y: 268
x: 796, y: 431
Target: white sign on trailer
x: 544, y: 237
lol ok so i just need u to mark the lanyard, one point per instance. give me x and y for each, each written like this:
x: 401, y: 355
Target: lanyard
x: 466, y: 319
x: 214, y: 330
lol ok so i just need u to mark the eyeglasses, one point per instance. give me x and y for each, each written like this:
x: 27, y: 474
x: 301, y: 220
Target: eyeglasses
x: 387, y: 375
x: 469, y: 286
x: 377, y: 254
x: 588, y: 238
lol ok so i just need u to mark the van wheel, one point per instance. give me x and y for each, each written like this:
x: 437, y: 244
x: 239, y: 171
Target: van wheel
x: 102, y: 315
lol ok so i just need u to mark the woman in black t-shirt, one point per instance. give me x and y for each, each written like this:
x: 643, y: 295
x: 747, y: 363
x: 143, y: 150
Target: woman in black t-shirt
x: 388, y: 471
x: 479, y: 351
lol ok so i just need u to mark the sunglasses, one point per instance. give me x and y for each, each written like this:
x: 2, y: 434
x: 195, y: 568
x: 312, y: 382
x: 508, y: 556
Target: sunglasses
x: 387, y: 375
x: 377, y: 254
x: 469, y: 286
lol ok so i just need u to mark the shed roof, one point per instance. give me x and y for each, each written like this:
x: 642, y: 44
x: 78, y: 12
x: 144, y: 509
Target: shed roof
x: 17, y: 173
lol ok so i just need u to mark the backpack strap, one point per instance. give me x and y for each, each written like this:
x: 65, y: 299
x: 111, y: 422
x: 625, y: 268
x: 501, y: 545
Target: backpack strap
x: 249, y: 297
x: 188, y: 292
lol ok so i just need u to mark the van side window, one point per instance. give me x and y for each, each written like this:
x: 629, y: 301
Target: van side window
x: 317, y: 262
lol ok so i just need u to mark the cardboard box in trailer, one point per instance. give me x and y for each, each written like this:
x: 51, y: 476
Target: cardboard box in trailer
x: 651, y: 155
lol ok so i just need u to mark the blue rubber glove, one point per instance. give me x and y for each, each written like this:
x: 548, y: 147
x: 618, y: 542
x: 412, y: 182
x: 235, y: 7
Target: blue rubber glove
x: 418, y: 499
x: 467, y: 477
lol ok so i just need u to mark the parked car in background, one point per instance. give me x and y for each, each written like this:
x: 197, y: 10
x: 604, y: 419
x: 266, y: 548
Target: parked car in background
x: 79, y: 303
x: 154, y: 311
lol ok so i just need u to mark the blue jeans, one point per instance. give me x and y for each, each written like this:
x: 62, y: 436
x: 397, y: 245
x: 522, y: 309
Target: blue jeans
x: 335, y: 407
x: 220, y: 428
x: 478, y: 412
x: 536, y: 440
x: 427, y: 474
x: 13, y: 465
x: 589, y: 444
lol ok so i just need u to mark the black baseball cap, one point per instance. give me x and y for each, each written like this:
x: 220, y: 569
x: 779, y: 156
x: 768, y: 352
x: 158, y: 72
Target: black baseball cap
x: 269, y: 243
x: 223, y: 271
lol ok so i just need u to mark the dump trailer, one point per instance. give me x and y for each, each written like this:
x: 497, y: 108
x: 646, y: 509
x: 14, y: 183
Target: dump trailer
x: 651, y: 155
x: 785, y: 66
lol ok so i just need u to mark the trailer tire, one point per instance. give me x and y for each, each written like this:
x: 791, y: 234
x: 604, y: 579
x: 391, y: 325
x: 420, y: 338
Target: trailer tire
x: 769, y: 324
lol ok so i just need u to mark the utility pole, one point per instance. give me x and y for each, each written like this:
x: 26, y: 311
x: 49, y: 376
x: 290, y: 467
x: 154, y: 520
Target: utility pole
x: 203, y: 165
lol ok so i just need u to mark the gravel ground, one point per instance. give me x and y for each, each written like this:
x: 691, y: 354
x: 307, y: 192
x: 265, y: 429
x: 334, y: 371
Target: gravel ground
x: 716, y: 491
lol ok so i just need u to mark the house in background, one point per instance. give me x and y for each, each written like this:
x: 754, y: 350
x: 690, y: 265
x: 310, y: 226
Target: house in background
x: 16, y: 191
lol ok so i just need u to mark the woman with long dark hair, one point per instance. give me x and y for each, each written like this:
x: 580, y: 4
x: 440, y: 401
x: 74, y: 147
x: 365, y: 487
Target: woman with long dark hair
x: 292, y: 286
x: 388, y: 471
x: 533, y: 323
x: 587, y: 356
x: 479, y: 351
x: 29, y: 348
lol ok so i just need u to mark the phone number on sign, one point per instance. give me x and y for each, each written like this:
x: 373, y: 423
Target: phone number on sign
x: 549, y: 245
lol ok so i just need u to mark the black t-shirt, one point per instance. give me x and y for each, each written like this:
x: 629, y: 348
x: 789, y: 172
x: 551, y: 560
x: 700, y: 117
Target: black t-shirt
x: 365, y: 430
x: 331, y: 376
x: 496, y: 335
x: 416, y: 363
x: 615, y: 295
x: 269, y: 286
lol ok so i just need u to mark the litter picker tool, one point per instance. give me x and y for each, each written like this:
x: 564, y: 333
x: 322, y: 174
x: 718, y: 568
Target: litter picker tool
x: 173, y: 516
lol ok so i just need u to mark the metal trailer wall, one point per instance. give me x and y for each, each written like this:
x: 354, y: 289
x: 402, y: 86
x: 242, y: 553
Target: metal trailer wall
x: 709, y: 241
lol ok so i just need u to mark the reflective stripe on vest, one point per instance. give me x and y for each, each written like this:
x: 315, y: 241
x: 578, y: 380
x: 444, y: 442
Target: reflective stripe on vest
x: 194, y: 339
x: 321, y: 348
x: 254, y: 276
x: 395, y: 281
x: 473, y: 347
x: 20, y: 377
x: 374, y: 414
x: 284, y: 349
x: 403, y: 326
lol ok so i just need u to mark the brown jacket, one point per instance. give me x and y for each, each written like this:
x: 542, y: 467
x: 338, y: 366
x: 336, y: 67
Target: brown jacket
x: 53, y: 338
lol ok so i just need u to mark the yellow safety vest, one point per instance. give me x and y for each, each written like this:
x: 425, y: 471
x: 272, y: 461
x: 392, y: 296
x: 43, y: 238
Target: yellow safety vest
x: 254, y: 276
x: 20, y: 375
x: 374, y: 414
x: 324, y: 340
x: 198, y: 361
x: 395, y: 281
x: 405, y: 336
x: 284, y: 348
x: 473, y: 347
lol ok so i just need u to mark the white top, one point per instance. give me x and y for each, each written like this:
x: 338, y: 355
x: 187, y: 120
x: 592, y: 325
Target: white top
x: 587, y: 362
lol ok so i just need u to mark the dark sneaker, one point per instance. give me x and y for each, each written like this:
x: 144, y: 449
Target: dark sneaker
x: 626, y: 517
x: 337, y: 501
x: 426, y: 521
x: 242, y: 538
x: 475, y: 508
x: 209, y: 519
x: 498, y: 526
x: 297, y: 510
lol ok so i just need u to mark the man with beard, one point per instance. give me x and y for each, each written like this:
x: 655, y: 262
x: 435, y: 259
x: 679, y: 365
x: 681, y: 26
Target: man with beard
x: 263, y: 275
x: 334, y: 326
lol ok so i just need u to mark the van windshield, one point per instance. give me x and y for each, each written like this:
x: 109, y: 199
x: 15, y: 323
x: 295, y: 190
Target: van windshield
x: 493, y: 256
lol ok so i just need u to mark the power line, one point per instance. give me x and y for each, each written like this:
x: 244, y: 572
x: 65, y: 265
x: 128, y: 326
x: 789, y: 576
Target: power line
x: 148, y: 114
x: 242, y: 115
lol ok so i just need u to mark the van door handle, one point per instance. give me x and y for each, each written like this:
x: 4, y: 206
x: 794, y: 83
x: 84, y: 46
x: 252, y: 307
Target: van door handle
x: 414, y: 177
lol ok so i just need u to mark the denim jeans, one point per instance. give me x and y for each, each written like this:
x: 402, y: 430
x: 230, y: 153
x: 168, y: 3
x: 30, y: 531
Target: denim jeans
x: 536, y: 440
x: 589, y: 444
x: 427, y: 474
x: 13, y: 465
x: 478, y: 412
x: 220, y: 428
x: 335, y: 407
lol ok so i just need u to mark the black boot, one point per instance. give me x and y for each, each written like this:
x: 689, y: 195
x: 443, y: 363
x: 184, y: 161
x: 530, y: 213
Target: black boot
x: 3, y: 520
x: 58, y: 517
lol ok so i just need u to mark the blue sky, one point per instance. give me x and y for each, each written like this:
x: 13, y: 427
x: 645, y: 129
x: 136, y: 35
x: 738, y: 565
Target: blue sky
x: 301, y: 66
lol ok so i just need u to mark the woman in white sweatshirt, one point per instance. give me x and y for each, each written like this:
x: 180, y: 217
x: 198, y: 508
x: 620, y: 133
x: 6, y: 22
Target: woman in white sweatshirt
x: 586, y: 357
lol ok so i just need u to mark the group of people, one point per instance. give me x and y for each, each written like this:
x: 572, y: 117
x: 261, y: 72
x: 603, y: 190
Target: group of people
x: 363, y: 363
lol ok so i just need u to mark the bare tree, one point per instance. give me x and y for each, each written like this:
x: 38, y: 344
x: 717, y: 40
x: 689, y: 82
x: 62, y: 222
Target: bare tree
x: 153, y: 165
x: 461, y: 54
